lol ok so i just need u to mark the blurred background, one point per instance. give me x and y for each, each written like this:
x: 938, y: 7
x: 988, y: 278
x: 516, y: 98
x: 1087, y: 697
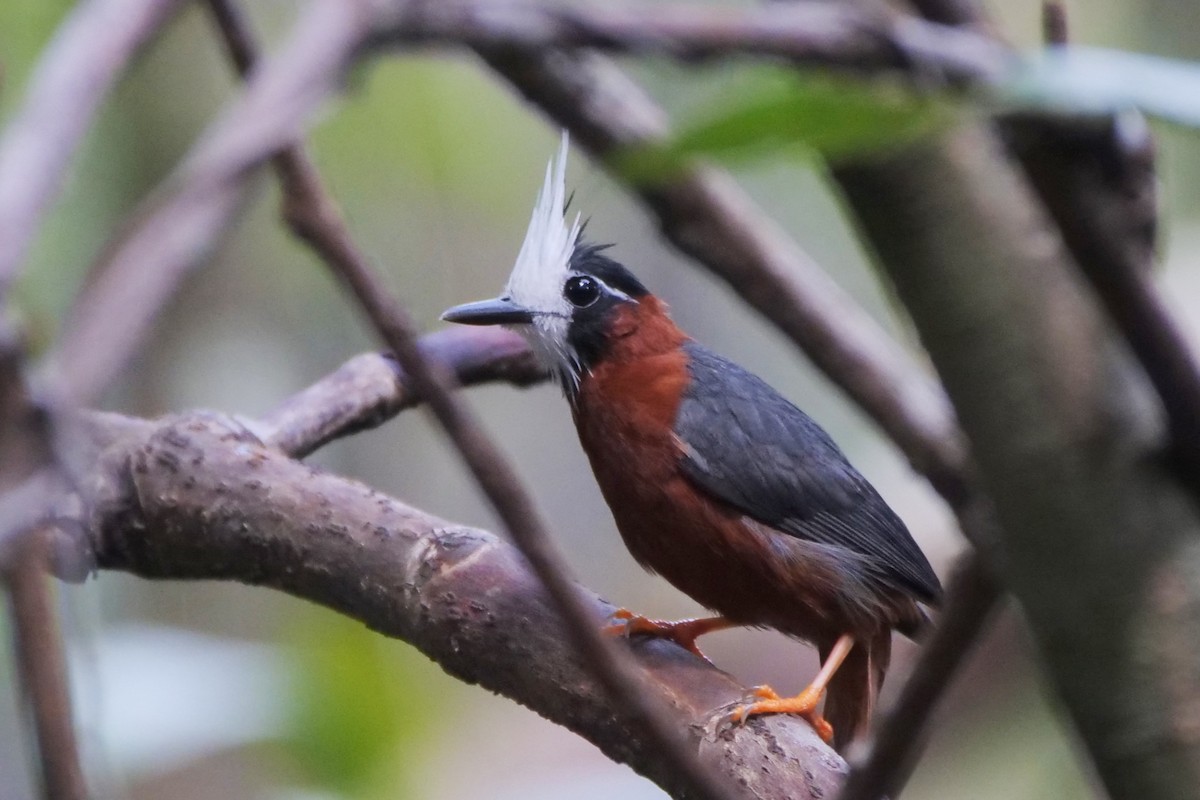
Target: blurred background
x: 218, y: 690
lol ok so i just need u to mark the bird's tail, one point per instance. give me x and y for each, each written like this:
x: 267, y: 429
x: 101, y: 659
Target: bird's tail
x: 852, y: 692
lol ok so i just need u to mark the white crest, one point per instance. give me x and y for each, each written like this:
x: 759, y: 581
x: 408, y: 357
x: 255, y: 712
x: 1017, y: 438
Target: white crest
x: 541, y: 270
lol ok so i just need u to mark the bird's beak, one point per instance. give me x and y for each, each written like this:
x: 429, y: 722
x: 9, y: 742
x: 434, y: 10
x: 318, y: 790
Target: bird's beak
x: 498, y: 311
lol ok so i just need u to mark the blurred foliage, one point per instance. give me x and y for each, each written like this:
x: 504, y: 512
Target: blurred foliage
x: 769, y: 111
x: 423, y: 125
x: 361, y: 711
x: 1001, y: 748
x: 25, y: 26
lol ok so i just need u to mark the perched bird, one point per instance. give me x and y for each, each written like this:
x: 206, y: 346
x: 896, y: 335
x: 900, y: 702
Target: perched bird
x: 716, y: 482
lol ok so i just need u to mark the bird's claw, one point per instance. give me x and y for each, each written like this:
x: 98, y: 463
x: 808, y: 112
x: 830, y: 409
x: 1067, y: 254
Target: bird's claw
x: 769, y: 702
x: 620, y: 624
x: 765, y: 692
x: 626, y: 623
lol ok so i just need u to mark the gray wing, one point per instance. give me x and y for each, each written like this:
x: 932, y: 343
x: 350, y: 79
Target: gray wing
x: 747, y: 445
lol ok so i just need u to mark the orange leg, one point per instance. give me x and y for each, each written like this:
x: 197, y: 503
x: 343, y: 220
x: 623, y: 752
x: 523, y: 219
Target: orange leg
x: 684, y: 632
x: 805, y: 703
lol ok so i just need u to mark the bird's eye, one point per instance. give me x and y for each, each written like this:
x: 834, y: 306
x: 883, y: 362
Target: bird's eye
x: 581, y: 291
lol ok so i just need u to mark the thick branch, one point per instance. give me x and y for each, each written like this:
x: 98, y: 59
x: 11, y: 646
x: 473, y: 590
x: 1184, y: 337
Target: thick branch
x: 1097, y: 179
x: 199, y: 497
x: 857, y: 38
x: 1099, y: 542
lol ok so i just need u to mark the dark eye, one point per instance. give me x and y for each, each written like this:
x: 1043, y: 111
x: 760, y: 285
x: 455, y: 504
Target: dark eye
x: 581, y: 291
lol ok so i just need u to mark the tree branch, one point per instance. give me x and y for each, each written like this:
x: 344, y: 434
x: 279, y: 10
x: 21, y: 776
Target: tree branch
x: 1099, y: 542
x: 814, y: 34
x: 1097, y: 180
x: 370, y: 389
x: 28, y: 481
x: 960, y: 13
x: 1055, y: 29
x: 198, y: 497
x: 42, y: 666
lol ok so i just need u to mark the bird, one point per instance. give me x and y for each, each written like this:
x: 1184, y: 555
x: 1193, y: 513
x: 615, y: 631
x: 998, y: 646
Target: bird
x: 715, y: 481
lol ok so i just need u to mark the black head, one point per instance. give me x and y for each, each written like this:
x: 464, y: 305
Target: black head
x: 570, y: 329
x: 597, y: 287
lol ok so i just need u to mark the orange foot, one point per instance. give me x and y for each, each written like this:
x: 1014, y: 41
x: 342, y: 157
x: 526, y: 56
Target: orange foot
x: 803, y: 704
x: 684, y: 632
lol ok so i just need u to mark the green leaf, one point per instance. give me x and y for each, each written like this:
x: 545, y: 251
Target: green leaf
x: 1098, y: 81
x: 813, y: 115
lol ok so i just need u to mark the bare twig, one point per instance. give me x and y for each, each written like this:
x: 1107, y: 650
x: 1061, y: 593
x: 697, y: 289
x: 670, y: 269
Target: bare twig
x: 21, y: 428
x: 28, y: 482
x: 1054, y: 22
x: 74, y: 74
x: 883, y: 767
x: 43, y: 670
x: 313, y: 215
x: 852, y: 37
x: 961, y: 13
x: 370, y: 389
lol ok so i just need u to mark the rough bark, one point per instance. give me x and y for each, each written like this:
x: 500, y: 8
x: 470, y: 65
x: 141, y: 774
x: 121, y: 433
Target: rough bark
x: 200, y: 497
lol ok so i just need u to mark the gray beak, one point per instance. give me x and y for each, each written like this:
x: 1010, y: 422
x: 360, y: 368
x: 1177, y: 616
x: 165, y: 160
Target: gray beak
x: 498, y: 311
